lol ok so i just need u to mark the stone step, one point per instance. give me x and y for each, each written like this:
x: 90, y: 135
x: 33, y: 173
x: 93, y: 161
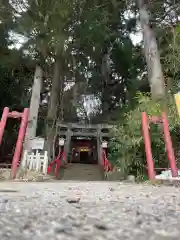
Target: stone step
x: 83, y: 172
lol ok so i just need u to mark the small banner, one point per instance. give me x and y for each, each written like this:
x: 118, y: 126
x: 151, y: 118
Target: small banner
x: 177, y: 100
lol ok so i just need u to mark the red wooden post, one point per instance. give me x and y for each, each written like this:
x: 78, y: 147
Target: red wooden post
x: 3, y: 122
x: 147, y: 142
x: 168, y: 144
x: 19, y: 143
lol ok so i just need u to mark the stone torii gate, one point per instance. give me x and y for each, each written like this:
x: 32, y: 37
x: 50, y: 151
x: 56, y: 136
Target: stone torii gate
x: 97, y: 131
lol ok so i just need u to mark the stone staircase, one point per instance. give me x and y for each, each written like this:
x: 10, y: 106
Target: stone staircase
x: 83, y: 172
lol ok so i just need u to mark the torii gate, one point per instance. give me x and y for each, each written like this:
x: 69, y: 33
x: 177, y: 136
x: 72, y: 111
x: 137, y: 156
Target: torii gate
x: 19, y: 144
x: 98, y: 131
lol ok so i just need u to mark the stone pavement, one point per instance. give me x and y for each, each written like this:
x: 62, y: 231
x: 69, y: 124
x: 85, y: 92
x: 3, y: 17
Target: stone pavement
x: 88, y: 210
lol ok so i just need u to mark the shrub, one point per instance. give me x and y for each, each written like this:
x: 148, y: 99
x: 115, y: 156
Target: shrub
x: 127, y: 145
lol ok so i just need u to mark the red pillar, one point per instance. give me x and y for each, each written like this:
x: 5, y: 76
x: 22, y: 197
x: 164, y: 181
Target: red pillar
x: 3, y: 122
x: 168, y: 144
x: 147, y: 142
x: 19, y: 143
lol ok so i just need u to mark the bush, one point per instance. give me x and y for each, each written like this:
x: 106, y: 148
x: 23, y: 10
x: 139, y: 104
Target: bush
x: 127, y: 145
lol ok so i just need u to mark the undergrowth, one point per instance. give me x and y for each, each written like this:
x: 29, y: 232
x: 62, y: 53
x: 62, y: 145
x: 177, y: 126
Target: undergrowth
x: 127, y: 146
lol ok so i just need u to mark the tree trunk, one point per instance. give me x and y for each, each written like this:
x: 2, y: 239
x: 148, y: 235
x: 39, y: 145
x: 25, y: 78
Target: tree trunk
x: 53, y: 107
x: 34, y: 107
x: 155, y: 74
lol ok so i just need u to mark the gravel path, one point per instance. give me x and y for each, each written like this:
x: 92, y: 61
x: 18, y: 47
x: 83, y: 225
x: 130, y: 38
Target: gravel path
x: 88, y: 210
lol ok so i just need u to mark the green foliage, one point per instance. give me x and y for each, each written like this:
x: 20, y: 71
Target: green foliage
x: 93, y: 38
x: 127, y: 146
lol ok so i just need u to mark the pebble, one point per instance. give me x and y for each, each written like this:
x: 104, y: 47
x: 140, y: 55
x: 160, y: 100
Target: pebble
x: 73, y: 200
x: 89, y: 210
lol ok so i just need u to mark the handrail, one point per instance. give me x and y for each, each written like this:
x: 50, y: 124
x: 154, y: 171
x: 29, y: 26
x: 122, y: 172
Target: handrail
x: 58, y: 162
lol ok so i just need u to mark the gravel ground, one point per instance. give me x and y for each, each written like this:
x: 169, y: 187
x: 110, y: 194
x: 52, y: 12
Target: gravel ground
x: 88, y: 210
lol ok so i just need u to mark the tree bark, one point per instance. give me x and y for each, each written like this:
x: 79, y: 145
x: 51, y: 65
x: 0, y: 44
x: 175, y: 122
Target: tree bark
x: 34, y: 107
x: 106, y: 76
x: 155, y: 74
x: 53, y: 106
